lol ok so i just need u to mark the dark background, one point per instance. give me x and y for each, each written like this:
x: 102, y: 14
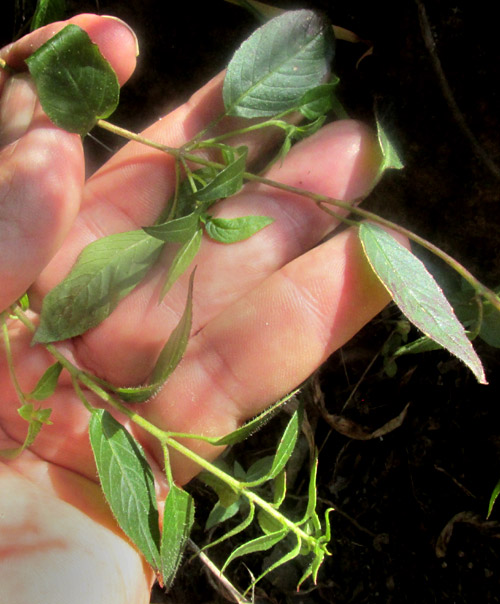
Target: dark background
x: 410, y: 526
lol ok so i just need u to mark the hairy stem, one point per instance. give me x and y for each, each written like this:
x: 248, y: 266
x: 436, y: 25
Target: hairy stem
x: 321, y: 201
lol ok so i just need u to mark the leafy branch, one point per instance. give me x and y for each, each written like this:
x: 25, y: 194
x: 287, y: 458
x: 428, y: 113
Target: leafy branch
x: 285, y: 79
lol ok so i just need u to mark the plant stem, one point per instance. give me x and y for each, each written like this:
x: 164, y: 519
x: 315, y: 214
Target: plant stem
x: 10, y: 362
x: 250, y: 495
x: 321, y: 200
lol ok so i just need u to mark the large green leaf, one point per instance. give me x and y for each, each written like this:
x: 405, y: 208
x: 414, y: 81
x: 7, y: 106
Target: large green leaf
x: 169, y: 358
x: 278, y: 64
x: 106, y: 271
x: 75, y: 83
x: 178, y: 519
x: 128, y: 483
x: 417, y: 294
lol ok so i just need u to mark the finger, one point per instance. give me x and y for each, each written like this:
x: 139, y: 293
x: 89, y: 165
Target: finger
x: 341, y: 161
x: 267, y: 343
x: 41, y: 167
x: 72, y: 556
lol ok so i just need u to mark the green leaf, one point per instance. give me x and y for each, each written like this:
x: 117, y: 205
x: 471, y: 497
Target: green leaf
x: 227, y: 495
x: 178, y: 520
x: 255, y: 424
x: 128, y: 483
x: 35, y: 418
x: 290, y: 555
x: 178, y: 230
x: 220, y: 514
x: 48, y: 11
x: 236, y: 530
x: 390, y: 155
x: 105, y: 272
x: 490, y: 327
x: 169, y: 358
x: 75, y: 83
x: 278, y: 64
x: 227, y: 182
x: 181, y: 261
x: 231, y: 230
x: 260, y: 544
x: 417, y: 294
x: 46, y: 384
x: 318, y: 101
x: 493, y: 498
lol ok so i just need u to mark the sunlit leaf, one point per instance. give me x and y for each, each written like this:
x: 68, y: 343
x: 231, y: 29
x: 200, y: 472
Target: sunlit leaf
x: 182, y: 260
x: 178, y: 520
x: 255, y: 424
x: 493, y: 498
x: 105, y: 272
x: 36, y: 418
x: 227, y: 495
x: 169, y: 357
x: 278, y: 64
x: 389, y: 154
x: 179, y: 230
x: 260, y: 544
x: 48, y: 11
x: 231, y: 230
x: 46, y: 384
x: 417, y: 294
x: 128, y: 483
x: 290, y: 555
x: 75, y: 83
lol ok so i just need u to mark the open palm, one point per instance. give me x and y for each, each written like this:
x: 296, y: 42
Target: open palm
x: 266, y: 313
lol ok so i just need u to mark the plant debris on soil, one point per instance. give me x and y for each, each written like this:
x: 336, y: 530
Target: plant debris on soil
x: 409, y: 462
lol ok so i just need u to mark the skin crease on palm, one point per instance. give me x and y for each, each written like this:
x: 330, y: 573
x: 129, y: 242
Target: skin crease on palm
x: 267, y: 312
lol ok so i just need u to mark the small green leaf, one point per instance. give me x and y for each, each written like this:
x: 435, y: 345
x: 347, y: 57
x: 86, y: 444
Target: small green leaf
x: 493, y: 498
x: 268, y: 523
x: 178, y: 230
x: 227, y: 182
x: 417, y: 294
x: 220, y: 514
x: 236, y: 530
x: 279, y: 489
x: 390, y: 155
x: 48, y: 11
x: 46, y: 384
x: 260, y: 544
x: 178, y: 520
x: 255, y: 424
x: 318, y: 101
x: 490, y: 326
x: 227, y: 495
x: 290, y: 555
x: 278, y: 64
x: 105, y: 272
x: 181, y: 261
x: 35, y: 418
x: 169, y: 358
x: 128, y: 483
x: 75, y: 83
x: 231, y: 230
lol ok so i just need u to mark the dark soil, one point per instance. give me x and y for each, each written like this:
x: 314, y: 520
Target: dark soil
x: 410, y: 525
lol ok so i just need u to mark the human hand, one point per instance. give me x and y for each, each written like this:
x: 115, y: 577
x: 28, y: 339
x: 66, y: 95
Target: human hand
x: 267, y: 312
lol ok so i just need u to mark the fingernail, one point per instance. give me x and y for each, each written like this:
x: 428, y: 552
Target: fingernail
x: 17, y: 106
x: 128, y: 27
